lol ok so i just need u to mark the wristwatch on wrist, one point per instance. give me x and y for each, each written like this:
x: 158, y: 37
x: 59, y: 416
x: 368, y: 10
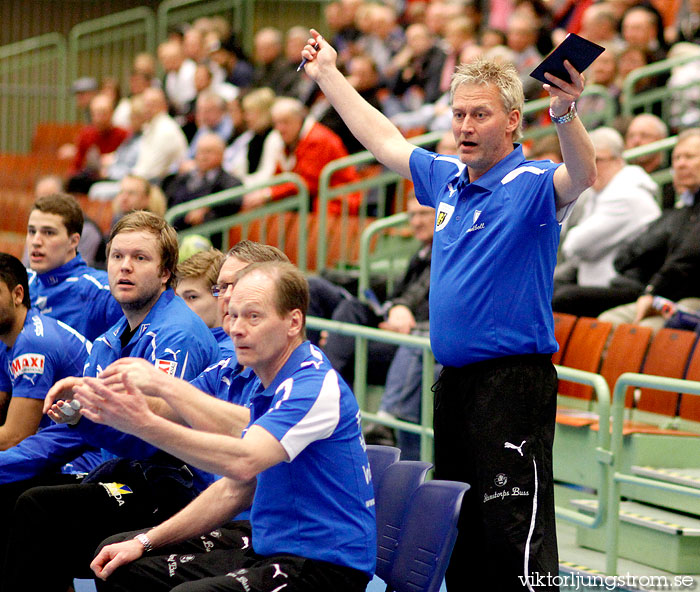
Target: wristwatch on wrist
x: 570, y: 115
x: 145, y: 541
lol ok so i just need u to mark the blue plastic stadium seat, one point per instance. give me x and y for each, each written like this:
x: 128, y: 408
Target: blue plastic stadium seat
x: 393, y: 494
x: 427, y: 537
x: 380, y: 457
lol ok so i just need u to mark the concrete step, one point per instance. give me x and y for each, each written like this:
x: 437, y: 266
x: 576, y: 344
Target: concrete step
x: 652, y: 536
x: 678, y: 502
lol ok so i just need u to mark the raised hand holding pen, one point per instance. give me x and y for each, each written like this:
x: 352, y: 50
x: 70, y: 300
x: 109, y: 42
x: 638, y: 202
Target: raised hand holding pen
x: 317, y: 47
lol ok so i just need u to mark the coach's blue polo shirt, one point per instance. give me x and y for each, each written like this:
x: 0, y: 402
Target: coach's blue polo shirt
x: 494, y: 252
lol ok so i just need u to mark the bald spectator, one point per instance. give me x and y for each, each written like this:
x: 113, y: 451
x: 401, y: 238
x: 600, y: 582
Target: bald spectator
x: 268, y: 58
x: 308, y: 147
x: 615, y: 210
x: 646, y: 128
x: 179, y: 75
x: 164, y: 144
x: 206, y: 178
x: 94, y: 140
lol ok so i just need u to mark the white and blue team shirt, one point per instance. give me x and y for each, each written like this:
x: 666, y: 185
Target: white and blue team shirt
x: 494, y: 252
x: 76, y: 294
x: 171, y: 337
x: 45, y: 351
x: 226, y: 349
x: 320, y: 504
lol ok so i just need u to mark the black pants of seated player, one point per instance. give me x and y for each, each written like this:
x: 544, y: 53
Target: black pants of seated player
x: 68, y: 522
x: 494, y: 429
x: 10, y: 492
x: 224, y: 560
x: 340, y: 349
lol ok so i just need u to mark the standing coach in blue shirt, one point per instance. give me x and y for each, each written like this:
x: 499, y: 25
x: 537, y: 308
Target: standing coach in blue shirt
x: 494, y: 251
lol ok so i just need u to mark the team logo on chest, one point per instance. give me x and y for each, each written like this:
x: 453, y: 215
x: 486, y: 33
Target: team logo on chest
x: 476, y: 226
x: 444, y: 213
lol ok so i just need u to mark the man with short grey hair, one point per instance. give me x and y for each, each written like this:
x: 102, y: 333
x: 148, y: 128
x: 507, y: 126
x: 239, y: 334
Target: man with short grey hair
x: 616, y: 209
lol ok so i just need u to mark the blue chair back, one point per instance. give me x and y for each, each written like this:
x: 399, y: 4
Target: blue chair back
x: 380, y: 457
x: 427, y: 537
x: 393, y: 494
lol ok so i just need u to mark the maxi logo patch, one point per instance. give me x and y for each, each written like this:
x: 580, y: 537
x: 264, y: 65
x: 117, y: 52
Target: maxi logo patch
x: 27, y: 364
x: 167, y: 366
x: 444, y: 213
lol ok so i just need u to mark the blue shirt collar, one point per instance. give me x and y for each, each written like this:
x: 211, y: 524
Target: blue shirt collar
x: 57, y: 275
x: 295, y: 359
x: 492, y: 178
x: 114, y: 335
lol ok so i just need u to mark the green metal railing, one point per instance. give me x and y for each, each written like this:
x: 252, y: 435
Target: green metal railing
x: 616, y: 476
x: 108, y: 45
x: 298, y: 204
x: 33, y: 88
x: 378, y: 184
x: 631, y: 100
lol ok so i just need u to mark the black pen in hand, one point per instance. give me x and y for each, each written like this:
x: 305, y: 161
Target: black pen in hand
x: 304, y: 61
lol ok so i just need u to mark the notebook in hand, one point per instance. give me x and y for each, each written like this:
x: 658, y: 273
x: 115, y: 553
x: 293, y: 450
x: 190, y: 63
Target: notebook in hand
x: 580, y: 52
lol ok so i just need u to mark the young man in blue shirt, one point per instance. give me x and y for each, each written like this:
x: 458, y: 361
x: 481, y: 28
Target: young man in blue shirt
x: 494, y: 251
x: 300, y: 465
x: 136, y: 481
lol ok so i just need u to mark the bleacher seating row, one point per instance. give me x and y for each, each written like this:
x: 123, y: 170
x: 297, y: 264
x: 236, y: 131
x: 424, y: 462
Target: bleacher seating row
x: 592, y: 345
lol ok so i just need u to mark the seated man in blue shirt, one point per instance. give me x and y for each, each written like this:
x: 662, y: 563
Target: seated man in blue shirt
x: 39, y: 351
x: 143, y: 483
x: 304, y: 429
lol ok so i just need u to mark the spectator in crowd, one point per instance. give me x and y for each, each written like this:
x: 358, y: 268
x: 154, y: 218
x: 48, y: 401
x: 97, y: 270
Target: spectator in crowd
x: 238, y: 71
x: 522, y: 38
x: 308, y: 147
x: 341, y: 22
x: 665, y: 259
x: 211, y: 117
x: 163, y: 145
x: 138, y: 82
x: 179, y: 76
x: 685, y: 82
x: 413, y: 75
x: 386, y: 37
x: 642, y: 28
x: 156, y: 326
x: 84, y: 90
x: 688, y: 24
x: 136, y: 193
x: 253, y: 156
x: 60, y: 283
x: 195, y: 277
x: 114, y: 167
x: 600, y: 25
x: 272, y: 541
x: 206, y: 178
x: 459, y: 33
x: 603, y: 72
x: 646, y: 128
x: 405, y: 310
x: 364, y: 77
x: 290, y: 82
x: 268, y: 59
x: 615, y: 210
x: 94, y: 140
x: 38, y: 349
